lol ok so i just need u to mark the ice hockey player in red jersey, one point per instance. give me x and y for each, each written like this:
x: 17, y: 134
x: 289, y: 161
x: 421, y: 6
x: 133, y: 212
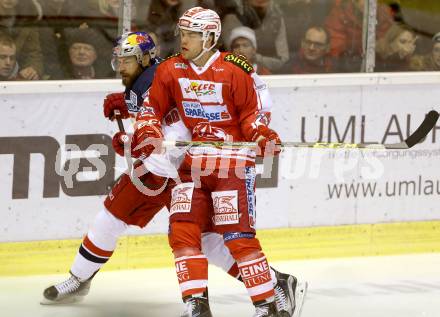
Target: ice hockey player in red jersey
x: 216, y: 95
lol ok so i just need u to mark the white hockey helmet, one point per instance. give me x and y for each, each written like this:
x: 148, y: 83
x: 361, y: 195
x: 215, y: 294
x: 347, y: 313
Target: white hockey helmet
x: 133, y: 44
x: 205, y: 21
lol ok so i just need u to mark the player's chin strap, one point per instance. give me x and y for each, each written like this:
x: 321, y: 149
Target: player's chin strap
x: 204, y: 50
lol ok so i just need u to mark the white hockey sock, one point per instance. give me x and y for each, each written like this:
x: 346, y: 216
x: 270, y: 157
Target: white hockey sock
x: 213, y: 246
x: 98, y: 245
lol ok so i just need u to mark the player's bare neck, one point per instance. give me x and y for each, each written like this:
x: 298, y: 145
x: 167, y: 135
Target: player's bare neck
x: 202, y: 60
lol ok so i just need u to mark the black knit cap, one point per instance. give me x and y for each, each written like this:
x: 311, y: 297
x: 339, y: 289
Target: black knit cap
x: 82, y: 35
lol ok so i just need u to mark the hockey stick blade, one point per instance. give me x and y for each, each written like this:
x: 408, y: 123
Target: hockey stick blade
x: 119, y: 120
x: 422, y: 131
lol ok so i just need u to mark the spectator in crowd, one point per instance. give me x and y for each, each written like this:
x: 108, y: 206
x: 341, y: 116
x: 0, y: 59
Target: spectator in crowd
x: 266, y: 18
x: 55, y: 19
x: 313, y: 57
x: 435, y: 52
x: 222, y: 7
x: 18, y: 18
x: 109, y: 7
x: 55, y: 8
x: 418, y: 16
x: 160, y: 16
x: 396, y: 50
x: 244, y: 42
x: 345, y: 26
x: 74, y: 13
x: 61, y: 15
x: 8, y: 60
x: 82, y: 44
x: 101, y: 16
x: 430, y: 61
x: 300, y: 15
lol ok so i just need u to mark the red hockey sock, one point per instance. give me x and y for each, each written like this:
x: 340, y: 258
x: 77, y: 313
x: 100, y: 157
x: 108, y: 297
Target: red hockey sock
x: 257, y: 279
x: 234, y: 271
x: 192, y: 273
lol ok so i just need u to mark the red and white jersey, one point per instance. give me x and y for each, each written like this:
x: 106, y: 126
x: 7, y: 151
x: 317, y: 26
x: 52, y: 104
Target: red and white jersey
x: 221, y: 101
x: 173, y: 129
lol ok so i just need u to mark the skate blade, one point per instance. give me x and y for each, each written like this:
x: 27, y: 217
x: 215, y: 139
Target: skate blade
x: 300, y: 295
x: 65, y: 301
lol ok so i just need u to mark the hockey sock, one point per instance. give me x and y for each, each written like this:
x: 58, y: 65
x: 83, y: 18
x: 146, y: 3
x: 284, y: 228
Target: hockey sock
x: 89, y: 259
x: 257, y: 279
x: 192, y: 274
x: 98, y: 245
x: 235, y: 272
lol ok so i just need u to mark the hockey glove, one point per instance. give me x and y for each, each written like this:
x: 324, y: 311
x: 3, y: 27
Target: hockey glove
x: 268, y: 141
x: 113, y: 102
x: 118, y: 142
x: 147, y: 138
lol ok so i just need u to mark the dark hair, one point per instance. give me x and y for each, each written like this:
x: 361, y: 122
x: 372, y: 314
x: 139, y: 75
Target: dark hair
x: 6, y: 39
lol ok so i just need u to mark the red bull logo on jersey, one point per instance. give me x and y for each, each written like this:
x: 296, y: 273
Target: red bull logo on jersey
x: 182, y: 198
x: 201, y: 90
x: 225, y: 207
x: 211, y: 113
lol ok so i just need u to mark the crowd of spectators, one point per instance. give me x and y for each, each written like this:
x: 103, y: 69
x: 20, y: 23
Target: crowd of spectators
x: 72, y: 39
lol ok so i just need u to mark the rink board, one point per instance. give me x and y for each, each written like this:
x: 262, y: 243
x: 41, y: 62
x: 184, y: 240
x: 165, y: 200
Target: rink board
x: 43, y: 196
x: 309, y: 194
x: 152, y: 251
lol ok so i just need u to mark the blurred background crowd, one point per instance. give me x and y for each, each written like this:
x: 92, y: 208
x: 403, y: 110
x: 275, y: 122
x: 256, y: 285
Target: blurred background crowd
x: 72, y: 39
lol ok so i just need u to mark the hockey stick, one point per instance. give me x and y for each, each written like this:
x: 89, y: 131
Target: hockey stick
x: 427, y: 125
x: 117, y: 114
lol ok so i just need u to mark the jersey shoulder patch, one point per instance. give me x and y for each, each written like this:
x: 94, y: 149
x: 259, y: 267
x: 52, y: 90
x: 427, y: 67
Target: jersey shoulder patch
x: 240, y: 61
x: 173, y: 62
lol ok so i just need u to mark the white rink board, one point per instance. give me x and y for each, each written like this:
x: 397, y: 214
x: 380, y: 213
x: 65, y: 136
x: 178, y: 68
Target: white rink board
x: 387, y: 102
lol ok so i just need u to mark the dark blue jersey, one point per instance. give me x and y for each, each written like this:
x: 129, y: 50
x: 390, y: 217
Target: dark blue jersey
x: 134, y: 96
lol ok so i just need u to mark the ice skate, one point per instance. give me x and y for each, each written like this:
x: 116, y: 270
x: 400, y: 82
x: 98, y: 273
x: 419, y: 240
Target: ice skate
x: 266, y: 310
x: 70, y: 291
x: 289, y: 295
x: 197, y: 306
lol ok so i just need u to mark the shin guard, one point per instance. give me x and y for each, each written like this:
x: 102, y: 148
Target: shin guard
x: 192, y: 274
x: 257, y: 279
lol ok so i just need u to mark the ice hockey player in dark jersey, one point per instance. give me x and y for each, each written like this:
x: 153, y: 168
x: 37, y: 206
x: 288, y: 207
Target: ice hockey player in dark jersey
x: 134, y: 57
